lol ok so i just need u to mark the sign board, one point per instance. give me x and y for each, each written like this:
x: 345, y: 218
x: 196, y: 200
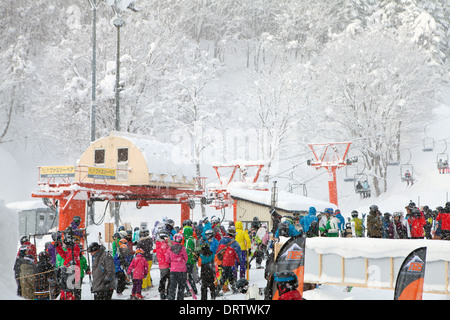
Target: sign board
x: 57, y: 172
x: 101, y: 173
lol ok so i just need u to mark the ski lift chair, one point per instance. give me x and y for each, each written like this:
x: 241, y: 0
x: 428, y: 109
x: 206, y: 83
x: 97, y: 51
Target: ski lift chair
x: 442, y: 162
x: 428, y: 144
x: 404, y: 168
x: 348, y: 176
x: 358, y: 182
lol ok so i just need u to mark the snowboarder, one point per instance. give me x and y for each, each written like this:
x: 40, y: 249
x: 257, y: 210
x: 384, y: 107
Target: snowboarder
x: 286, y: 228
x: 139, y: 269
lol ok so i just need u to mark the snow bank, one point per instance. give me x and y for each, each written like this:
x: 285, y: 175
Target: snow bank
x: 8, y: 250
x: 378, y: 248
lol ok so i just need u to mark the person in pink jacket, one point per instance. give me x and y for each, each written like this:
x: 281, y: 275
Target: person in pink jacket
x: 162, y: 245
x: 139, y: 268
x: 177, y: 256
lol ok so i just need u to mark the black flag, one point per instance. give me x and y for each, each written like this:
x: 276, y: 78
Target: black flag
x: 290, y: 258
x: 409, y: 285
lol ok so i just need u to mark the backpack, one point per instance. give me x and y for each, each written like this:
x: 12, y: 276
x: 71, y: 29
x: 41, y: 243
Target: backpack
x: 221, y: 252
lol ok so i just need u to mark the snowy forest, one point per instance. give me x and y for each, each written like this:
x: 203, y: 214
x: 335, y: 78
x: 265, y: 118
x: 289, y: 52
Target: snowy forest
x: 278, y: 74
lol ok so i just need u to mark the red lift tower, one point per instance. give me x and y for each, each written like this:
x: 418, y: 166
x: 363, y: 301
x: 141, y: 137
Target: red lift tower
x: 331, y: 156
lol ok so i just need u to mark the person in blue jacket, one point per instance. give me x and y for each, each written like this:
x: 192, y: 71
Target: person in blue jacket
x: 341, y: 219
x: 206, y: 226
x: 306, y: 221
x: 212, y: 242
x: 286, y: 228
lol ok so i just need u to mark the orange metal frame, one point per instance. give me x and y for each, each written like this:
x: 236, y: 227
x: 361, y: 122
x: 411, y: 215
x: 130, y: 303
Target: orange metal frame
x: 330, y: 166
x: 73, y: 196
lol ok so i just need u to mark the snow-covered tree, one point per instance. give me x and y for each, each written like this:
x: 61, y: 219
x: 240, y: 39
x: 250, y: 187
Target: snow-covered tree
x: 375, y: 89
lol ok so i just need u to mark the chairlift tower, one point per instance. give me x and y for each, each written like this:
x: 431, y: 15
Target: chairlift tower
x: 331, y: 156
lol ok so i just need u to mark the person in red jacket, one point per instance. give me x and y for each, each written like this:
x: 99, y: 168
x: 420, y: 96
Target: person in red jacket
x: 230, y: 257
x: 417, y: 222
x: 162, y: 245
x: 72, y: 266
x: 139, y: 268
x: 287, y: 284
x: 444, y: 218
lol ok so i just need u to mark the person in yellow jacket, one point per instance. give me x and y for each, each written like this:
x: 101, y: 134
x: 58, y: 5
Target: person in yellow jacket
x: 245, y: 243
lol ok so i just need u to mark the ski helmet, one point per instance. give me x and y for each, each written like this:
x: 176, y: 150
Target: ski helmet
x: 231, y: 231
x: 24, y: 239
x: 139, y: 251
x: 354, y: 214
x: 178, y: 237
x: 209, y: 234
x: 286, y: 281
x: 94, y: 246
x: 373, y: 208
x: 242, y: 285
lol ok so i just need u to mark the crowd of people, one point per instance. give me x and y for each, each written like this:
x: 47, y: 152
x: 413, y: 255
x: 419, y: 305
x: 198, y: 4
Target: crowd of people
x: 209, y: 255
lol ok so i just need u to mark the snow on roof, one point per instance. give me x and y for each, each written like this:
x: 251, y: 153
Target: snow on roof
x: 287, y: 201
x: 161, y: 157
x: 378, y: 248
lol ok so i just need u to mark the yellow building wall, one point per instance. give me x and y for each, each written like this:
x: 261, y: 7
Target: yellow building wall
x: 138, y: 175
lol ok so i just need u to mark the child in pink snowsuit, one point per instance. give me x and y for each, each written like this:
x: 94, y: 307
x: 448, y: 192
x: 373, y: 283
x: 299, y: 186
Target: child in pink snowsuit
x: 139, y: 268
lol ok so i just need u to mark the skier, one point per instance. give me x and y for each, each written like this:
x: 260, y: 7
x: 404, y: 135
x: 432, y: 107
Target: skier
x: 207, y: 273
x: 357, y: 224
x: 25, y: 241
x: 244, y: 241
x: 286, y: 228
x: 51, y: 249
x: 287, y: 283
x: 70, y: 255
x: 397, y: 230
x: 231, y: 253
x: 103, y: 272
x: 189, y: 244
x: 417, y: 222
x: 386, y: 222
x: 161, y: 247
x: 341, y: 224
x: 145, y: 242
x: 313, y: 230
x: 408, y: 178
x: 169, y: 226
x: 374, y: 223
x: 444, y: 219
x: 44, y: 277
x: 305, y: 222
x: 219, y: 231
x: 121, y: 268
x: 136, y: 235
x: 177, y: 256
x: 254, y: 226
x: 331, y: 228
x: 206, y: 226
x: 262, y: 240
x: 139, y: 268
x: 211, y: 240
